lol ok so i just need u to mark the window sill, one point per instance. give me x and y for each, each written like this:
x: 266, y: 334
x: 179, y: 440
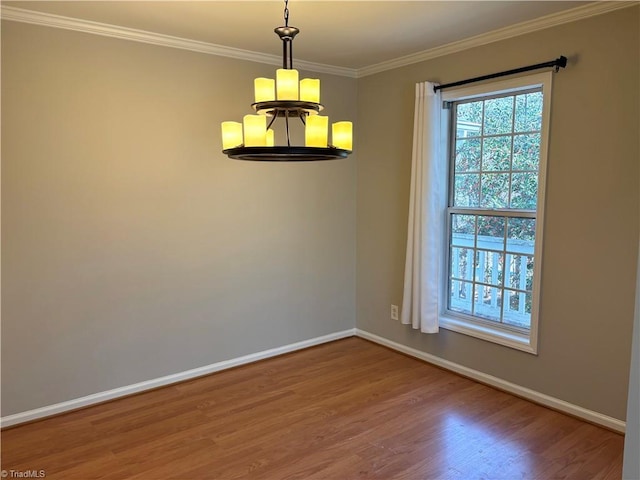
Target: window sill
x: 525, y: 343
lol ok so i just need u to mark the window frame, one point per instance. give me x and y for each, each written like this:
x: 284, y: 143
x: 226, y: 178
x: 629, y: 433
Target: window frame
x: 516, y: 338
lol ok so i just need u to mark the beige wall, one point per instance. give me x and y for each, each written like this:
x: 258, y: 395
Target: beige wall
x: 131, y: 247
x: 591, y: 230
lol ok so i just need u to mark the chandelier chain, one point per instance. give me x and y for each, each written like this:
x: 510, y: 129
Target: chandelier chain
x: 286, y: 13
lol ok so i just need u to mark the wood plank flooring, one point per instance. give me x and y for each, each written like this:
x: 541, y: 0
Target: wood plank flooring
x: 344, y: 410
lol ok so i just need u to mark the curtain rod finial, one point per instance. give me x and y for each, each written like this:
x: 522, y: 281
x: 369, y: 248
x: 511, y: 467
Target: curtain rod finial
x: 561, y: 62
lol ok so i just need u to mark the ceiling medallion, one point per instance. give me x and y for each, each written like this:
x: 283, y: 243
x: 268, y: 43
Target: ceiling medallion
x: 286, y: 97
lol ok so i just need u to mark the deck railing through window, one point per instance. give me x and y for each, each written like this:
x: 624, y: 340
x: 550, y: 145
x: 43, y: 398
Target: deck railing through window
x: 476, y: 271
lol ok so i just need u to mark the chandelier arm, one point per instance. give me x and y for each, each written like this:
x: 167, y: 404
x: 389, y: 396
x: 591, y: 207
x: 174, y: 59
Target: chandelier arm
x: 273, y: 119
x: 302, y: 115
x: 286, y: 123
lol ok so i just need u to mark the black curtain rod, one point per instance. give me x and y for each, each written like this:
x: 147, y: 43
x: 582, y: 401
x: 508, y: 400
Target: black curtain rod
x: 558, y: 63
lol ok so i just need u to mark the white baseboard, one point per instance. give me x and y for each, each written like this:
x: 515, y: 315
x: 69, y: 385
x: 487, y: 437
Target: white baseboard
x: 537, y: 397
x: 100, y: 397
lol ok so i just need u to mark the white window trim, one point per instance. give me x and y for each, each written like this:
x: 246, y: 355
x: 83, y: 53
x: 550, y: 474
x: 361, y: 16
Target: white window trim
x: 448, y: 320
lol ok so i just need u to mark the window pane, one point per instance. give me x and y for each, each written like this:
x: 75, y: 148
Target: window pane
x: 467, y: 190
x: 491, y: 232
x: 528, y: 112
x: 496, y: 153
x: 462, y: 263
x: 519, y: 273
x: 498, y: 115
x: 468, y: 155
x: 463, y: 229
x: 488, y: 302
x: 468, y: 119
x: 526, y: 152
x: 489, y: 267
x: 524, y: 190
x: 521, y: 235
x: 517, y: 309
x: 529, y: 273
x: 495, y: 190
x: 460, y: 294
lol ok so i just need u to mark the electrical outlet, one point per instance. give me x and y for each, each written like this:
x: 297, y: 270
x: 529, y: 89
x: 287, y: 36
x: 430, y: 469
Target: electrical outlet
x: 394, y: 312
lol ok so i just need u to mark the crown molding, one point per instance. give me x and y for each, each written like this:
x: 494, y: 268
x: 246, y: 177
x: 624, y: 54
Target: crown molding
x: 567, y: 16
x: 124, y: 33
x: 87, y: 26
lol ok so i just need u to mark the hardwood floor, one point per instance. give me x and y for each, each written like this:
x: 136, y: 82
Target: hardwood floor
x: 345, y: 410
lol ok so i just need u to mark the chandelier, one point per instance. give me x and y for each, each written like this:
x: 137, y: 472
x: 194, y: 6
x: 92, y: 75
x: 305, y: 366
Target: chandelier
x: 288, y: 98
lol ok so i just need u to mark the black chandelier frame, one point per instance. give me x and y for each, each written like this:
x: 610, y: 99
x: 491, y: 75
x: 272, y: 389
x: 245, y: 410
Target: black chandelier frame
x: 286, y: 109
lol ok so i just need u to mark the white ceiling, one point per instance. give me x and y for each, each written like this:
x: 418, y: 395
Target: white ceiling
x: 352, y: 34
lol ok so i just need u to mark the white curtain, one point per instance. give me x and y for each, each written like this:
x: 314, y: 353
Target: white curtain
x: 422, y: 275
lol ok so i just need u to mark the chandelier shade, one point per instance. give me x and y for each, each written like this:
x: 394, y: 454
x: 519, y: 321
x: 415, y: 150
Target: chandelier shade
x: 288, y: 97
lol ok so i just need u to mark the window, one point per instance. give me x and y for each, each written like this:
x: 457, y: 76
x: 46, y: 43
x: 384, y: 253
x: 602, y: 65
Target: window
x: 497, y: 156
